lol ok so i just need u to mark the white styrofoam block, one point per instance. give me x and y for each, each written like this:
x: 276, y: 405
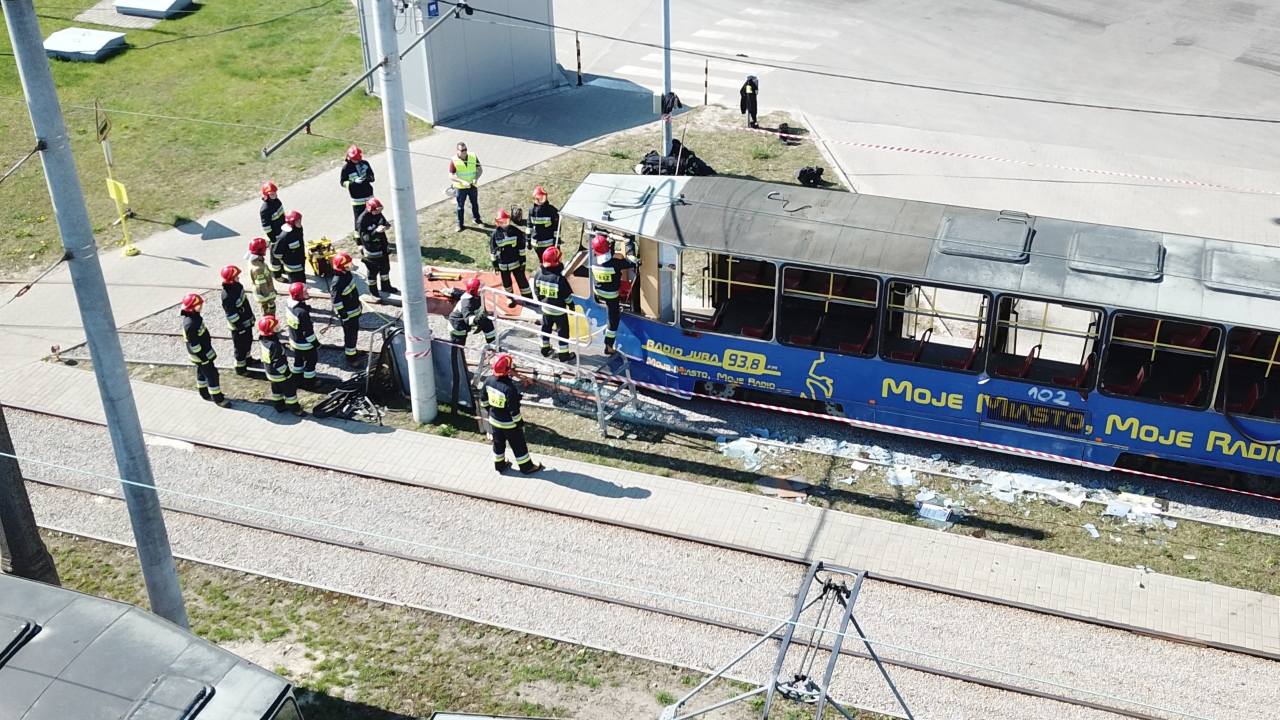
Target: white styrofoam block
x: 83, y: 45
x: 151, y: 8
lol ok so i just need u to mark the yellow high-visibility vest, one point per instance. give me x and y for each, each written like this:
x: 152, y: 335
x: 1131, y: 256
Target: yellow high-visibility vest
x: 466, y: 170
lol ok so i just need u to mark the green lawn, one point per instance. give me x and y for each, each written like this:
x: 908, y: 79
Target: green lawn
x: 265, y: 76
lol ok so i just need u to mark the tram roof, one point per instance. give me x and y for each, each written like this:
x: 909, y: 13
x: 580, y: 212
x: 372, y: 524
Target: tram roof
x: 1142, y: 270
x: 64, y: 654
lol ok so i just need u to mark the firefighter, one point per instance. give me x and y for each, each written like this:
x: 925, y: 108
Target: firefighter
x: 500, y: 396
x: 200, y: 349
x: 469, y: 315
x: 264, y: 289
x: 346, y: 305
x: 465, y: 172
x: 290, y: 248
x: 371, y: 236
x: 554, y: 291
x: 283, y: 393
x: 749, y: 100
x: 302, y: 336
x: 239, y: 319
x: 507, y: 248
x: 357, y: 178
x: 606, y: 271
x: 272, y: 215
x: 544, y: 223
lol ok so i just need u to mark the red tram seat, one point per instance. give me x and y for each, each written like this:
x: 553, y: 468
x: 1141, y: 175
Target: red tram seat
x: 1247, y: 403
x: 1140, y: 332
x: 1189, y: 340
x: 1185, y: 398
x: 714, y: 322
x: 812, y: 337
x: 792, y: 281
x: 1078, y: 380
x: 759, y: 332
x: 859, y: 348
x: 914, y: 355
x: 1132, y: 387
x: 968, y: 361
x: 750, y: 272
x: 1021, y: 371
x: 1245, y: 347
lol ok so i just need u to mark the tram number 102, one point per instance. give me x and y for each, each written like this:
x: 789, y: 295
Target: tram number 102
x: 1045, y: 395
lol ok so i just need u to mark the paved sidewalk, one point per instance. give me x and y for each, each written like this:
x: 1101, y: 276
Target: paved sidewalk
x: 1197, y: 611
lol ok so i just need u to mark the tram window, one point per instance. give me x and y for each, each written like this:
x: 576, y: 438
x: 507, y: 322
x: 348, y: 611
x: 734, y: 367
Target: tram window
x: 834, y: 312
x: 935, y: 326
x: 1046, y: 343
x: 1250, y: 375
x: 726, y: 294
x: 1159, y: 360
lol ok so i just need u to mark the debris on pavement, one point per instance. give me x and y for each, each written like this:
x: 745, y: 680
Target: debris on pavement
x: 1093, y: 531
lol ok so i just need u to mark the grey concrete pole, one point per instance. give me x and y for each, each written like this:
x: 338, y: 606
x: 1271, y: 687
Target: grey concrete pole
x: 422, y: 379
x: 158, y: 571
x: 18, y: 529
x: 666, y: 74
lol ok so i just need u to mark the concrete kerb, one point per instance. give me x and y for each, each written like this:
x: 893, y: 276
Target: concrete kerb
x: 826, y: 152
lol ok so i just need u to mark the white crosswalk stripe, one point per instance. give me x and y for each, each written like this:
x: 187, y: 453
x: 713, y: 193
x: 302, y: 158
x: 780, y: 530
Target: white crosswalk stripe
x: 827, y: 19
x: 774, y: 27
x: 756, y: 40
x: 716, y: 65
x: 680, y: 77
x: 688, y: 96
x: 726, y: 50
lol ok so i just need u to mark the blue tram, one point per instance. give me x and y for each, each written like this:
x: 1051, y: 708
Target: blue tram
x: 1087, y: 343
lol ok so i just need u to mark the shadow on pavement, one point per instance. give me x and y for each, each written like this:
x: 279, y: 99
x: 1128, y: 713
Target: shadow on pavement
x: 592, y: 486
x: 570, y: 115
x: 212, y: 230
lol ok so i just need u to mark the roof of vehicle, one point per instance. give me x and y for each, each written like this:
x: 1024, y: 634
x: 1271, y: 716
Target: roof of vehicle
x: 64, y: 654
x: 1140, y: 270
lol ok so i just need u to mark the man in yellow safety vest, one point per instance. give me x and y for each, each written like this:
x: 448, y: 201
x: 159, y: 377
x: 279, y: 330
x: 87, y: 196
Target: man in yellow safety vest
x: 465, y: 172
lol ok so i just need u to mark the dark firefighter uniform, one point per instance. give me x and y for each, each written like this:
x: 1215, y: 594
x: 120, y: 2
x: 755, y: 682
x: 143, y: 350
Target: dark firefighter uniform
x: 291, y: 253
x: 357, y: 178
x: 302, y: 339
x: 544, y: 227
x: 507, y: 247
x: 283, y: 386
x: 240, y: 320
x: 468, y: 316
x: 608, y: 284
x: 553, y: 289
x: 500, y: 396
x: 346, y: 307
x: 272, y: 215
x: 200, y: 350
x: 376, y: 250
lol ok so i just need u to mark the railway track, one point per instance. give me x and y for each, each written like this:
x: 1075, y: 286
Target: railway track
x: 597, y: 597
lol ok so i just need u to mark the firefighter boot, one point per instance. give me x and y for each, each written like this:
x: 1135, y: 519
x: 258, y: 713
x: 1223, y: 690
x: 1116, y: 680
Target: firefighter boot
x: 565, y: 356
x: 204, y: 393
x: 546, y: 351
x: 387, y: 288
x: 280, y: 406
x: 530, y: 467
x: 242, y: 370
x: 220, y: 400
x: 253, y: 364
x: 501, y: 466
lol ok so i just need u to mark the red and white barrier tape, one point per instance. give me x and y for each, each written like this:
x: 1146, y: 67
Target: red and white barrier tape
x: 1027, y: 163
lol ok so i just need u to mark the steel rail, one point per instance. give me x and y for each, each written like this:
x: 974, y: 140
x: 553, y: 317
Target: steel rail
x: 444, y: 565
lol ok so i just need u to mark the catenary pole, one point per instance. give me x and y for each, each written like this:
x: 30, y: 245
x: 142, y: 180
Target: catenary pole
x: 18, y: 529
x: 666, y: 75
x: 422, y: 381
x: 158, y: 571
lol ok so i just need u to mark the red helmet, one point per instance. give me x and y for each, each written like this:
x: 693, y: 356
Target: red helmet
x: 192, y: 302
x: 550, y: 256
x: 258, y: 246
x: 503, y: 364
x: 538, y: 192
x: 298, y: 291
x: 293, y: 217
x: 342, y: 262
x: 502, y: 215
x: 268, y: 325
x: 372, y: 204
x: 600, y: 245
x: 353, y: 154
x: 268, y: 187
x: 230, y: 274
x: 473, y: 285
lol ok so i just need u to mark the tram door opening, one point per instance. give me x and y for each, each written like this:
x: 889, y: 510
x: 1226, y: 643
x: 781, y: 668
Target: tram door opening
x: 656, y: 299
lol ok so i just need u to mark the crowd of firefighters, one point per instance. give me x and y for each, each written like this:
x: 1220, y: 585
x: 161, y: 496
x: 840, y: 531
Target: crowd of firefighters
x: 281, y: 256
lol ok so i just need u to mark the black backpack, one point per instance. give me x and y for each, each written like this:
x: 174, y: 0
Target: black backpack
x: 810, y: 176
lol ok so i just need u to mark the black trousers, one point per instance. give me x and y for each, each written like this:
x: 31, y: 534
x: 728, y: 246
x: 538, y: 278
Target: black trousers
x: 521, y: 281
x: 614, y: 308
x: 377, y: 269
x: 357, y: 209
x: 207, y: 377
x: 350, y: 334
x: 297, y: 275
x: 304, y: 363
x: 559, y: 324
x: 285, y: 390
x: 515, y: 437
x: 243, y: 341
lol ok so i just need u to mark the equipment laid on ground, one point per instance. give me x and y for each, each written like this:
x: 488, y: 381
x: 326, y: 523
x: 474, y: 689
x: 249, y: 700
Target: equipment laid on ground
x: 810, y: 176
x: 320, y: 257
x: 681, y: 161
x: 349, y: 401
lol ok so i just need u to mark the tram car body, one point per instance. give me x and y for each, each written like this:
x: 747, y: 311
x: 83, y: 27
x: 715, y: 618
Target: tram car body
x: 1080, y: 342
x: 65, y: 655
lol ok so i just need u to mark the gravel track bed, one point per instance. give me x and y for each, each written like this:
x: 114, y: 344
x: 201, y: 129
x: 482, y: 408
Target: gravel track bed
x: 663, y: 572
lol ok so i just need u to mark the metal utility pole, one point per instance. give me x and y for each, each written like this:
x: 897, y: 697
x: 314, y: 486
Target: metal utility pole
x: 158, y: 570
x: 422, y: 379
x: 18, y: 530
x: 666, y: 75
